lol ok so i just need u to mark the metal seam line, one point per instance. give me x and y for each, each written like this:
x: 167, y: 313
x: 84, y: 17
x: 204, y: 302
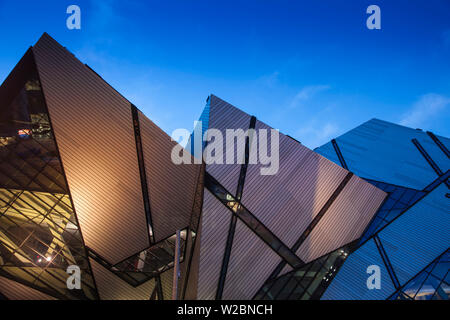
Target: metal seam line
x: 339, y: 154
x: 439, y: 143
x: 142, y: 173
x: 322, y: 211
x: 313, y: 223
x: 154, y: 293
x: 429, y: 159
x: 144, y: 185
x: 232, y: 228
x: 437, y: 182
x: 199, y: 194
x: 386, y: 262
x: 250, y: 220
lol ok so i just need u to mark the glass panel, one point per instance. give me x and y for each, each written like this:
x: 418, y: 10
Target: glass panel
x: 153, y: 260
x: 308, y: 281
x: 398, y: 200
x: 442, y: 293
x: 414, y: 285
x: 431, y: 283
x: 39, y: 234
x: 428, y: 288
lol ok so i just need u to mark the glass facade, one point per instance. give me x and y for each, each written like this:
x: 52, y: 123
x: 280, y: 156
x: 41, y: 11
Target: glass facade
x: 154, y: 260
x: 307, y: 282
x: 433, y: 283
x: 149, y: 263
x: 252, y: 256
x: 39, y: 232
x: 399, y: 199
x: 411, y: 227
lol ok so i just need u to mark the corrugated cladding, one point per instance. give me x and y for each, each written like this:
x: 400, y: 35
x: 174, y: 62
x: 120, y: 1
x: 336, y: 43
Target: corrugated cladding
x: 288, y: 201
x: 94, y: 131
x: 16, y: 291
x: 411, y: 242
x: 438, y: 156
x: 351, y: 281
x: 171, y: 187
x: 251, y: 263
x: 344, y: 221
x: 167, y: 283
x: 225, y: 116
x: 445, y: 141
x: 418, y: 236
x: 383, y: 151
x: 192, y: 277
x: 287, y: 268
x: 215, y: 225
x: 111, y: 287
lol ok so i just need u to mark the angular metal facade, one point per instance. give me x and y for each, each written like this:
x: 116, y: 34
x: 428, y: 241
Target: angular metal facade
x: 408, y: 239
x: 87, y: 179
x: 411, y: 230
x: 87, y: 113
x: 309, y: 208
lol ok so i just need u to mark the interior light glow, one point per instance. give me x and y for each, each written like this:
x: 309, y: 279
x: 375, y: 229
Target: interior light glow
x: 24, y: 133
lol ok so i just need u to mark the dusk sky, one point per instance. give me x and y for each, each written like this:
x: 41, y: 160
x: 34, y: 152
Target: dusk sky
x: 309, y: 68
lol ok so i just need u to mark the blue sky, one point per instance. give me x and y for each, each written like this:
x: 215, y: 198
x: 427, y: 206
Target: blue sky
x: 309, y: 68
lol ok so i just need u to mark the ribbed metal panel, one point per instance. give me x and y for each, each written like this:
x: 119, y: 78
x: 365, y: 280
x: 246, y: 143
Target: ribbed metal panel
x: 251, y: 263
x: 344, y: 221
x: 94, y: 132
x: 434, y: 152
x: 215, y: 225
x: 288, y: 201
x: 192, y: 281
x: 351, y: 281
x: 287, y: 268
x: 171, y: 187
x: 445, y: 141
x: 419, y: 235
x: 225, y: 116
x: 167, y: 284
x: 383, y: 151
x: 111, y: 287
x: 17, y: 291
